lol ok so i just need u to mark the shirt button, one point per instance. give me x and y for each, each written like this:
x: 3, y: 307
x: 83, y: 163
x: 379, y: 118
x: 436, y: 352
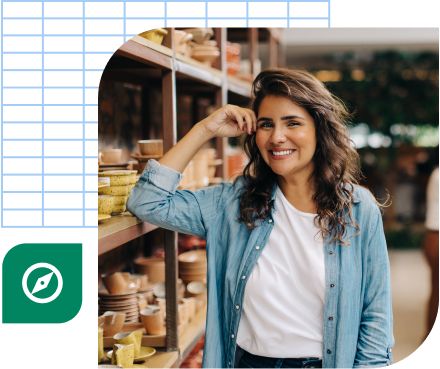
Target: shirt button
x: 332, y: 285
x: 243, y: 277
x: 270, y: 220
x: 329, y: 351
x: 237, y: 307
x: 232, y: 335
x: 229, y: 363
x: 330, y: 318
x: 257, y: 247
x: 330, y: 252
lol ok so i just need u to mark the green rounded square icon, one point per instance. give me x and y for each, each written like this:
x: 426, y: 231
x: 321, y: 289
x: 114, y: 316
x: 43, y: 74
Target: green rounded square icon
x: 42, y: 283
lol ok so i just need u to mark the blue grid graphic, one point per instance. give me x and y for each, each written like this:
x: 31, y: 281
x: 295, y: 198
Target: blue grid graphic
x: 52, y: 57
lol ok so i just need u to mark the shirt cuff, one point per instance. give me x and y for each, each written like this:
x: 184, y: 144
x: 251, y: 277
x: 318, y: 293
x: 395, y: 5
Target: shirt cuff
x: 161, y: 176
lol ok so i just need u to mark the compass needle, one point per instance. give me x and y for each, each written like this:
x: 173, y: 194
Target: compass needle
x: 42, y: 283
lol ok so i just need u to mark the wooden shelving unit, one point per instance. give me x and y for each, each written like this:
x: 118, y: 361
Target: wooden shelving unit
x: 119, y: 230
x: 141, y: 61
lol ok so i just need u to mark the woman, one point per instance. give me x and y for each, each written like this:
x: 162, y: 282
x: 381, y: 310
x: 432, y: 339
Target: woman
x: 298, y: 272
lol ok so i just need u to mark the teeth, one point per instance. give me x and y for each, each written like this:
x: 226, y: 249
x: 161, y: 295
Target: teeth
x: 280, y: 153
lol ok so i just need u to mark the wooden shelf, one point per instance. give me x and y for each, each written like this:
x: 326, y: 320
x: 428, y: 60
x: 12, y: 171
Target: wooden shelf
x: 145, y: 51
x: 239, y: 86
x: 119, y: 230
x: 150, y: 65
x: 194, y: 69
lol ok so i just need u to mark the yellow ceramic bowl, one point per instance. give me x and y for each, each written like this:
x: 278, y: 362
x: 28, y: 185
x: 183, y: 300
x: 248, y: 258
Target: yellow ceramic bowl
x: 116, y: 190
x: 119, y: 200
x: 103, y: 182
x: 119, y: 177
x: 155, y: 35
x: 105, y: 204
x: 119, y: 208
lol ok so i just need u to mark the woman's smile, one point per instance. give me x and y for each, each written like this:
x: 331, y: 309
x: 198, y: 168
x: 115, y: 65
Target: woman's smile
x: 281, y: 154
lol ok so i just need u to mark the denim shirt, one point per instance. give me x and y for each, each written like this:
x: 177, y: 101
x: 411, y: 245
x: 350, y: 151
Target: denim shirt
x: 357, y: 321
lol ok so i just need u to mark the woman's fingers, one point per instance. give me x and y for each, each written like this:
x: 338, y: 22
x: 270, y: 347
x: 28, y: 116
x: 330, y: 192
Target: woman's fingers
x: 248, y: 119
x: 245, y: 118
x: 238, y: 118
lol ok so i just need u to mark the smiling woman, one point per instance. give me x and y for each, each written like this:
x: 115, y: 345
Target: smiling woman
x: 296, y: 111
x: 294, y: 234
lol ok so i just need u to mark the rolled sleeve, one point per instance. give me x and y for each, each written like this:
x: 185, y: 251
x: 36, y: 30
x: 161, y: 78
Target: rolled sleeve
x: 155, y: 199
x: 161, y: 176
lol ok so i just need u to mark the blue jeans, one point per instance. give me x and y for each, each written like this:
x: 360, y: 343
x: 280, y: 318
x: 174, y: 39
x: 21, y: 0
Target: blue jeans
x: 244, y: 359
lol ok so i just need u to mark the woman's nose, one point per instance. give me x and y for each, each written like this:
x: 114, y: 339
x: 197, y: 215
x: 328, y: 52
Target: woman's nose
x: 278, y: 136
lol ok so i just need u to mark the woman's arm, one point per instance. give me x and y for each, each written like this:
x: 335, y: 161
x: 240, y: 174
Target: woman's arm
x: 375, y: 339
x: 155, y: 198
x: 228, y: 121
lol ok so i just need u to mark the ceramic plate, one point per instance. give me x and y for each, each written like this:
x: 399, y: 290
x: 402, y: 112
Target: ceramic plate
x: 145, y: 353
x: 104, y: 293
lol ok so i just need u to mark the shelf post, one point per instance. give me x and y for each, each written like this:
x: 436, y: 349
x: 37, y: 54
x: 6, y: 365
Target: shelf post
x: 169, y: 121
x: 172, y: 340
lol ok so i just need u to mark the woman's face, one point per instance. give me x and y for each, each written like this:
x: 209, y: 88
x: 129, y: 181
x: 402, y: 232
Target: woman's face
x: 286, y: 137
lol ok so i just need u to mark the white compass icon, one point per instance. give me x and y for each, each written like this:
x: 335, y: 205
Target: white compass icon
x: 42, y: 283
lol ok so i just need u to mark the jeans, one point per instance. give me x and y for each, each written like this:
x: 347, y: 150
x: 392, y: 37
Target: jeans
x: 244, y: 359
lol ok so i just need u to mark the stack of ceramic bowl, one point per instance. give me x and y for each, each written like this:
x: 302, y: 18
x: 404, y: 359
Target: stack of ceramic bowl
x: 125, y: 303
x: 105, y: 203
x: 192, y: 266
x: 206, y: 53
x: 154, y: 267
x: 181, y: 42
x: 203, y: 49
x: 121, y: 183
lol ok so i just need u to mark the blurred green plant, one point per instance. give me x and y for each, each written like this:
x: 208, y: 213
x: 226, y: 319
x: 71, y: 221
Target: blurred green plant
x: 404, y: 238
x: 388, y: 88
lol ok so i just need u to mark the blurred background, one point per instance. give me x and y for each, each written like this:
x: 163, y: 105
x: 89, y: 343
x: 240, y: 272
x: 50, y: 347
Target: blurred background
x: 388, y: 79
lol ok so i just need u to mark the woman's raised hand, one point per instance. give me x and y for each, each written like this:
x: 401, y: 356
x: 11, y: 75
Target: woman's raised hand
x: 230, y: 121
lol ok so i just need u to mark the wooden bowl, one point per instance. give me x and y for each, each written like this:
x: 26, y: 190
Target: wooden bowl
x: 151, y: 147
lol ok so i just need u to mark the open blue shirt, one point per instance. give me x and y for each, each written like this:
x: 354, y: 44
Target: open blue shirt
x: 357, y: 323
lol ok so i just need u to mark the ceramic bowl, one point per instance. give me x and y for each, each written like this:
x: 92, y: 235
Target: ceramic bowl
x: 120, y: 177
x: 200, y: 34
x: 191, y: 257
x: 155, y: 35
x: 105, y: 204
x: 206, y: 57
x: 196, y: 288
x: 116, y: 190
x: 151, y: 147
x: 154, y: 267
x: 110, y: 155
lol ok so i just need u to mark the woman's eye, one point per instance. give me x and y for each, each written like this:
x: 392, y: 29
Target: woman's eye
x: 292, y: 123
x: 265, y: 125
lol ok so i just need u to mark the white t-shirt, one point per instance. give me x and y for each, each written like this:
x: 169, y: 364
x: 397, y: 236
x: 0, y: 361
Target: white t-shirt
x: 284, y: 297
x: 432, y: 202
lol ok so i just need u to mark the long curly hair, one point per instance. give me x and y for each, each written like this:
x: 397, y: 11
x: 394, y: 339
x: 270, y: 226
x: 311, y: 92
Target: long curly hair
x: 336, y: 162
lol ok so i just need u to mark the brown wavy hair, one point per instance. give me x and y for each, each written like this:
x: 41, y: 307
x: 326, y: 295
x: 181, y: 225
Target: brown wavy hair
x: 336, y: 162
